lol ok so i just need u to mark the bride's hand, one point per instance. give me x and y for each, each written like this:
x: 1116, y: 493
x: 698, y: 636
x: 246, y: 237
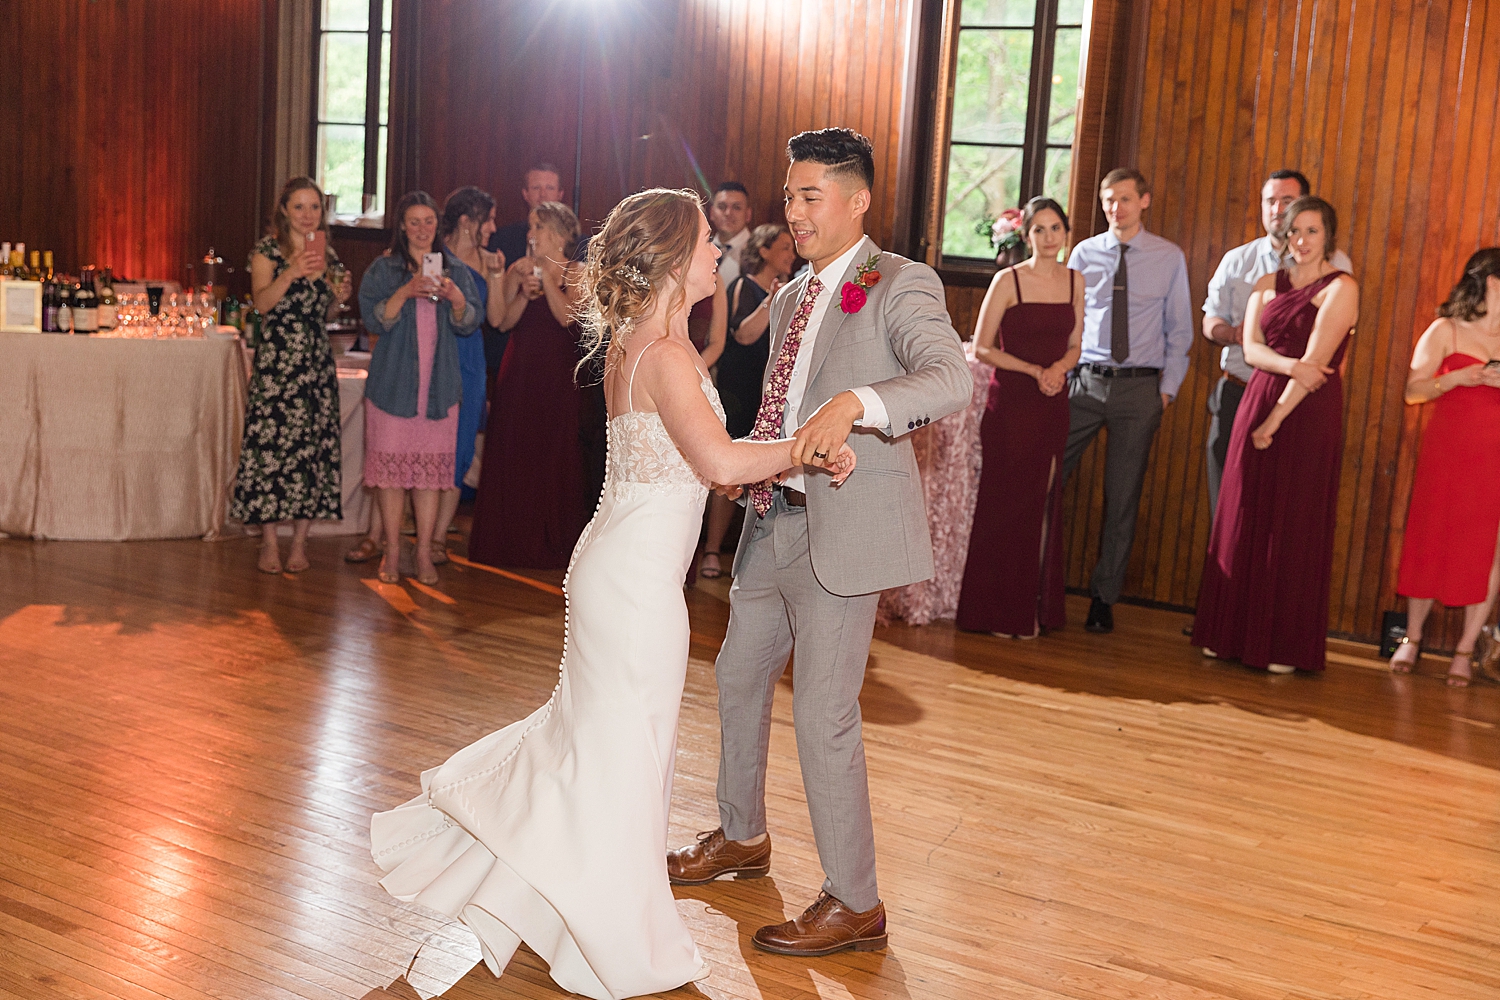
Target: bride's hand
x: 842, y: 465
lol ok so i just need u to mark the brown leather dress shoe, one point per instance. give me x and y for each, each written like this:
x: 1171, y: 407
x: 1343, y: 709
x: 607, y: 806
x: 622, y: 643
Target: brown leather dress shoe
x: 714, y: 855
x: 826, y: 927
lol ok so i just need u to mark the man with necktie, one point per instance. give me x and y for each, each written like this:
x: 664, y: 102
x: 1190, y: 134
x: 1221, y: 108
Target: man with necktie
x: 1137, y: 330
x: 863, y: 350
x: 729, y: 213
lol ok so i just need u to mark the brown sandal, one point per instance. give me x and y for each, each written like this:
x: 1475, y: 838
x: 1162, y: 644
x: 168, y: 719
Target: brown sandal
x: 366, y: 550
x: 711, y: 573
x: 439, y: 554
x: 1403, y: 667
x: 1455, y: 679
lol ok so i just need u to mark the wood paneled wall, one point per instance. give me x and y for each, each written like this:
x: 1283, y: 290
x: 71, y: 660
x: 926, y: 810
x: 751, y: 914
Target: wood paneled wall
x: 133, y: 129
x: 684, y: 93
x: 1390, y: 109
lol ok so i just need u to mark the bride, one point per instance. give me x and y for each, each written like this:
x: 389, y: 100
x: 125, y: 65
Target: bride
x: 552, y: 831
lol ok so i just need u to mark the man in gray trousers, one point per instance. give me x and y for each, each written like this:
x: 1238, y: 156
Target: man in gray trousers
x: 863, y: 343
x: 1137, y: 330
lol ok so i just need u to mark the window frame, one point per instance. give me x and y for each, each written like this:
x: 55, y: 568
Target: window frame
x: 1035, y: 145
x: 375, y: 34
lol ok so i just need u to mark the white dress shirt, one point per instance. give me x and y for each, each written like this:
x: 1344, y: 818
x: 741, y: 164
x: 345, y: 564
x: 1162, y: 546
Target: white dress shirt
x: 729, y: 262
x: 875, y: 413
x: 1229, y: 292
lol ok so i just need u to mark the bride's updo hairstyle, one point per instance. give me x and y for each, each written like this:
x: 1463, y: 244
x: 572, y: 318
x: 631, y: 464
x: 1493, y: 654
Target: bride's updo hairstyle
x: 642, y: 250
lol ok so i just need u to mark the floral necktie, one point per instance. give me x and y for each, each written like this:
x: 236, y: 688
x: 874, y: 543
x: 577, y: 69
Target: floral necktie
x: 773, y: 402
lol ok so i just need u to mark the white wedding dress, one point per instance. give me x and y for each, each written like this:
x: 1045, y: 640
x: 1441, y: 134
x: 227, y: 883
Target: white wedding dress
x: 553, y: 831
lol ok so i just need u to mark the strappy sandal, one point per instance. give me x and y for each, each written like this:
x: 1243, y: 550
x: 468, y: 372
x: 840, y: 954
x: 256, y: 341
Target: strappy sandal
x: 710, y: 573
x: 1403, y: 667
x: 366, y: 550
x: 439, y: 555
x: 1456, y: 679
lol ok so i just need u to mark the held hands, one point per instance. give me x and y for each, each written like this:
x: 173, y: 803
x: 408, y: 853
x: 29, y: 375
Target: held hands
x: 1050, y: 380
x: 825, y: 432
x: 841, y: 465
x: 1310, y: 377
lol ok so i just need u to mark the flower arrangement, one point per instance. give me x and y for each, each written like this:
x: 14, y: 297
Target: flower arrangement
x: 854, y: 293
x: 1005, y: 234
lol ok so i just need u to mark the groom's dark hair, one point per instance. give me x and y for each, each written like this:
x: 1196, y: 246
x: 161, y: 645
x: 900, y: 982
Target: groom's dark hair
x: 845, y: 153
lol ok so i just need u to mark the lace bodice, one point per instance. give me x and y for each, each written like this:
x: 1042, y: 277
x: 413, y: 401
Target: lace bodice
x: 643, y: 459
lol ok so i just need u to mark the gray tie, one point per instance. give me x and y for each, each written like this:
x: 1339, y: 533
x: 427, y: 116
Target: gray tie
x: 1119, y: 318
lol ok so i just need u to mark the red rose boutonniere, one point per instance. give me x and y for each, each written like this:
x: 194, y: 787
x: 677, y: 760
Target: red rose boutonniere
x: 855, y: 293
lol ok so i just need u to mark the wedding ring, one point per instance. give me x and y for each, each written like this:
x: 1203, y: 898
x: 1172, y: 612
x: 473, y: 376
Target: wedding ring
x: 820, y: 454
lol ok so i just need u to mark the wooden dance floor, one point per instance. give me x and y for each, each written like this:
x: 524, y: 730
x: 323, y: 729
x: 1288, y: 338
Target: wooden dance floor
x: 190, y: 753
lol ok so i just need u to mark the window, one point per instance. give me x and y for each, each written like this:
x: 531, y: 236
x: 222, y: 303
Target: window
x: 1015, y: 96
x: 352, y: 103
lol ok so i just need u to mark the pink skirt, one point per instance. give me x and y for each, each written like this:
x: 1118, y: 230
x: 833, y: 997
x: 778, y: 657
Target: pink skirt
x: 413, y: 453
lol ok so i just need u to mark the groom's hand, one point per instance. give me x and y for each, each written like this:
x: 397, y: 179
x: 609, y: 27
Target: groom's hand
x: 818, y: 440
x: 729, y: 492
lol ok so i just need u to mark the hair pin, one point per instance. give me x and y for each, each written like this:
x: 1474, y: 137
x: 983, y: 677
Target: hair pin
x: 634, y: 276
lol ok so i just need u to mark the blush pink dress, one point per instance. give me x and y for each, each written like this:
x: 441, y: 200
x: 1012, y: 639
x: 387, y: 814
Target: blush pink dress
x: 413, y: 453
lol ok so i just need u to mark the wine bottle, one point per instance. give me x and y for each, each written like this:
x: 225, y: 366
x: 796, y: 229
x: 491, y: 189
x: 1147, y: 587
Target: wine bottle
x: 108, y: 312
x: 64, y: 306
x: 47, y: 265
x: 231, y: 311
x: 49, y: 307
x: 86, y: 304
x: 4, y: 261
x: 34, y: 272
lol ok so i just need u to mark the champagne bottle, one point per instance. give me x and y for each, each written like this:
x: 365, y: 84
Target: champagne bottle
x: 86, y: 304
x: 47, y: 265
x: 108, y: 313
x: 231, y: 311
x: 34, y: 272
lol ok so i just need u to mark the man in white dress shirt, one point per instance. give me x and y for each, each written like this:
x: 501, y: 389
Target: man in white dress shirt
x: 729, y: 213
x: 862, y: 342
x: 1224, y: 313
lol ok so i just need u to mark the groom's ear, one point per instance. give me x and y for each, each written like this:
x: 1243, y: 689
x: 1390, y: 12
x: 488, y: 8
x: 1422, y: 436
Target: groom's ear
x: 859, y: 202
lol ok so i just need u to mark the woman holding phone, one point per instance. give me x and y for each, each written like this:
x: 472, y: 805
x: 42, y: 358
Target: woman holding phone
x: 289, y: 458
x: 418, y: 299
x: 532, y: 503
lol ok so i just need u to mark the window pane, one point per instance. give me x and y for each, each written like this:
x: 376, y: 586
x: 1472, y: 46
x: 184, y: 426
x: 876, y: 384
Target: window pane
x: 341, y: 80
x: 982, y: 182
x: 1068, y: 11
x: 379, y: 207
x: 346, y: 15
x: 1063, y: 108
x: 990, y: 90
x: 1059, y: 179
x: 341, y: 164
x: 385, y: 76
x: 999, y: 13
x: 385, y: 17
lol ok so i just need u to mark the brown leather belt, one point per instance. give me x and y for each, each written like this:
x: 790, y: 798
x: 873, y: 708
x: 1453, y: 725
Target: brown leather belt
x: 1114, y: 371
x: 1235, y: 379
x: 793, y: 498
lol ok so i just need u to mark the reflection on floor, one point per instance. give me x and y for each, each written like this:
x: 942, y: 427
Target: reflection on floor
x: 191, y: 752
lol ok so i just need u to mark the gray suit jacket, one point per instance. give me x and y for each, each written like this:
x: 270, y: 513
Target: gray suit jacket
x: 871, y: 533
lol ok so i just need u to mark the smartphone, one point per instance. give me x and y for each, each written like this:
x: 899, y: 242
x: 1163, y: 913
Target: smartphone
x: 317, y: 242
x: 432, y: 266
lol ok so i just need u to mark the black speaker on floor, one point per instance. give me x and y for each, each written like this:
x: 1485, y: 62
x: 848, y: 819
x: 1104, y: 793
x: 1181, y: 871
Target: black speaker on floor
x: 1392, y: 628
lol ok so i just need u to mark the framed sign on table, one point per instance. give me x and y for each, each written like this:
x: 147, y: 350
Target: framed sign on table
x: 20, y: 306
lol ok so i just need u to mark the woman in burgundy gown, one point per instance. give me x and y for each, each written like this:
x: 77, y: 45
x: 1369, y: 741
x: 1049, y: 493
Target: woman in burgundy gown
x: 1013, y: 578
x: 1264, y: 595
x: 531, y: 505
x: 1449, y: 552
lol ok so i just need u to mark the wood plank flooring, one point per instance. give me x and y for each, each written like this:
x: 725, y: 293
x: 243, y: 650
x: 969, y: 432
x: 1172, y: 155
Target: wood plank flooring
x: 190, y: 752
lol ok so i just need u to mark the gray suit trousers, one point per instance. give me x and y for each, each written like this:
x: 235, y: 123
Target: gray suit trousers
x: 776, y: 603
x: 1223, y: 403
x: 1131, y: 410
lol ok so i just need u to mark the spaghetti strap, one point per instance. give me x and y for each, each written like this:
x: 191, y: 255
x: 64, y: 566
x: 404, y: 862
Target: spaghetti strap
x: 630, y: 385
x: 1016, y: 277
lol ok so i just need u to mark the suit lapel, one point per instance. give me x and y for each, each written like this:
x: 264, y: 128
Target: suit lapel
x: 833, y: 317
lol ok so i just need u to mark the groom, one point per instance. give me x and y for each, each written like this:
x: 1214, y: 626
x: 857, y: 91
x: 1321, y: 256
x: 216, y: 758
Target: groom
x: 862, y: 343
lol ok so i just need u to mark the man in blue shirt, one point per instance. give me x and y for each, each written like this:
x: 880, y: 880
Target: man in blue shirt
x: 1137, y: 330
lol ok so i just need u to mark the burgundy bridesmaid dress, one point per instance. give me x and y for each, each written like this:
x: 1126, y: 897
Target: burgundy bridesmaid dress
x: 531, y: 506
x: 1264, y: 594
x: 1013, y: 580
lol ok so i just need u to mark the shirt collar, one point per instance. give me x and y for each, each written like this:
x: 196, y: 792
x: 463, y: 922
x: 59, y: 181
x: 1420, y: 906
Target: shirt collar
x: 836, y: 270
x: 1111, y: 242
x: 1265, y: 249
x: 736, y: 242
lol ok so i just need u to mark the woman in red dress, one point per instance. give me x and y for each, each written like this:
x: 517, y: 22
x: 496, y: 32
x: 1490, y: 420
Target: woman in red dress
x: 532, y: 502
x: 1449, y: 552
x: 1030, y: 328
x: 1264, y: 595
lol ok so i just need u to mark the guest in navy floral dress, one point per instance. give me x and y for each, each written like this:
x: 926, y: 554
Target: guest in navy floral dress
x: 289, y: 459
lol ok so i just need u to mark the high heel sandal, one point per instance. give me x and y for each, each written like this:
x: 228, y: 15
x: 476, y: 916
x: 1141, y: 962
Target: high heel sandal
x: 1456, y: 679
x: 707, y: 573
x: 1404, y: 667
